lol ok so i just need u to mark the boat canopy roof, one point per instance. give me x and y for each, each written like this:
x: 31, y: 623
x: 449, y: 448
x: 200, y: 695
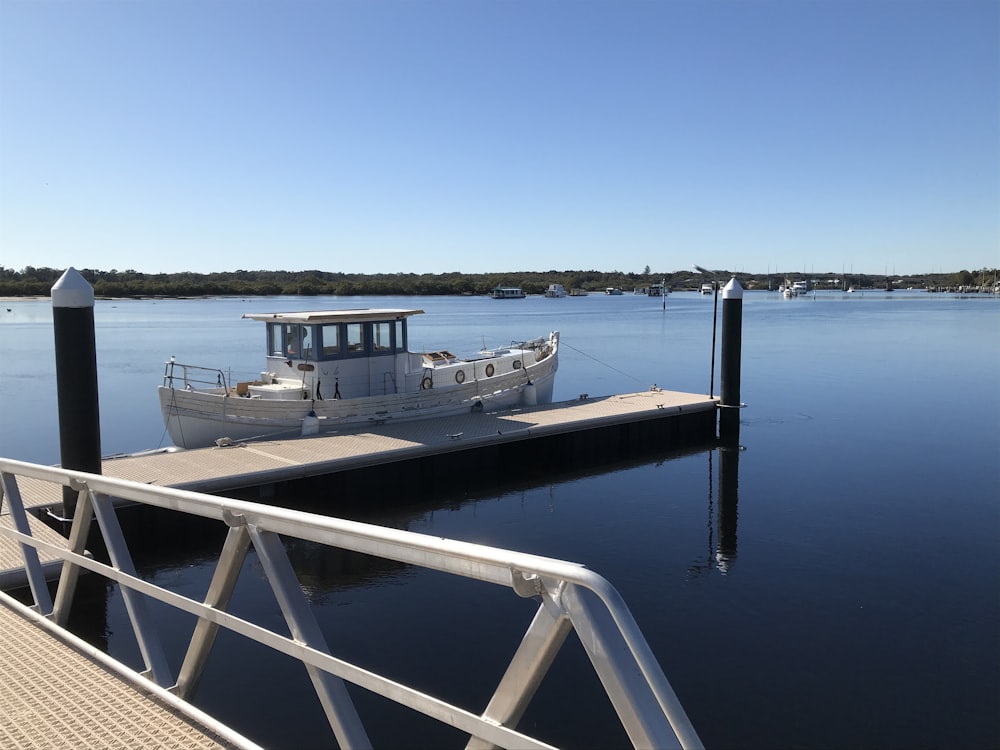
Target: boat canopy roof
x: 361, y: 315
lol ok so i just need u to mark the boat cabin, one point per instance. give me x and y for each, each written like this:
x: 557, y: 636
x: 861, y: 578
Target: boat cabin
x: 348, y: 353
x: 507, y: 292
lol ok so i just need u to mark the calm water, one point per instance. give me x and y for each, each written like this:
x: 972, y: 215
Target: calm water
x: 858, y: 604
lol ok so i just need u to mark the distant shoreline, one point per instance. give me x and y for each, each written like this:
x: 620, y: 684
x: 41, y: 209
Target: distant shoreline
x: 37, y: 283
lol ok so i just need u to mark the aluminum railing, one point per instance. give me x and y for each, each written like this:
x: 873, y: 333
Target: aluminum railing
x: 570, y: 597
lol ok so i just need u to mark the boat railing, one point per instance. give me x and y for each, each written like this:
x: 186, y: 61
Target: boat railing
x: 193, y: 376
x: 570, y: 597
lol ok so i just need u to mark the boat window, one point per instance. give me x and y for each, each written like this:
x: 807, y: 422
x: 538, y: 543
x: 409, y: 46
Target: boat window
x: 296, y: 341
x: 399, y: 336
x: 306, y: 352
x: 330, y: 340
x: 291, y: 339
x: 274, y: 340
x: 355, y: 337
x: 381, y: 338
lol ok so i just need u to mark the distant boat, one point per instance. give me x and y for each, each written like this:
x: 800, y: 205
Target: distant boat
x: 788, y: 290
x: 707, y: 288
x: 367, y: 374
x: 508, y: 292
x: 555, y: 290
x: 656, y: 290
x: 612, y: 290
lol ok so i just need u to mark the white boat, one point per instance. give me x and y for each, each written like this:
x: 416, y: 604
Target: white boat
x: 555, y: 290
x: 339, y: 369
x: 790, y: 289
x: 507, y: 292
x: 613, y: 291
x: 707, y: 288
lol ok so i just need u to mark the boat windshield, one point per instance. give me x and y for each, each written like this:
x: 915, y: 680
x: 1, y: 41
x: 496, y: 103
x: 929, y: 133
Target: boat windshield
x: 336, y: 340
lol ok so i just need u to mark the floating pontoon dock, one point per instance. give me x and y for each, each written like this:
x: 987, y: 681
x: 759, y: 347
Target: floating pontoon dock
x: 665, y: 419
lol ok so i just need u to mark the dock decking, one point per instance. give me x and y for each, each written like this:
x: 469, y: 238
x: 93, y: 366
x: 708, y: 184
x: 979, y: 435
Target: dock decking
x: 261, y: 462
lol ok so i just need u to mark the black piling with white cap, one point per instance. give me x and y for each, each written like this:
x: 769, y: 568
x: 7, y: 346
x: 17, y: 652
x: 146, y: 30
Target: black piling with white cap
x: 76, y: 378
x: 732, y: 351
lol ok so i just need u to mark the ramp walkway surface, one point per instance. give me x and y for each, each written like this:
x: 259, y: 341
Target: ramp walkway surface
x: 53, y: 696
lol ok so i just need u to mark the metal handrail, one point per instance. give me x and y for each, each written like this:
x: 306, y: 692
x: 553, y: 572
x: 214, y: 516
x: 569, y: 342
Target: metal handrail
x: 190, y: 374
x: 571, y: 597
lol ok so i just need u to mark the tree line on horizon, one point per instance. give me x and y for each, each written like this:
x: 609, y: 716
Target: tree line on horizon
x: 37, y: 282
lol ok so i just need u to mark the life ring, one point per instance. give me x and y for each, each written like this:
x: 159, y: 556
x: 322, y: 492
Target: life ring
x: 489, y: 370
x: 517, y: 364
x: 427, y: 383
x: 460, y: 376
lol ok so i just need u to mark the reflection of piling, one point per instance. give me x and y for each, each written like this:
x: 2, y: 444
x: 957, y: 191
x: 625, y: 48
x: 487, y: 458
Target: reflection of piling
x: 729, y: 478
x: 76, y: 378
x: 732, y: 345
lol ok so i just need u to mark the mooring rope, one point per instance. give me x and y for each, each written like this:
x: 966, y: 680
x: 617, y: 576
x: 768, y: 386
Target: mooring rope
x: 601, y: 362
x: 166, y: 417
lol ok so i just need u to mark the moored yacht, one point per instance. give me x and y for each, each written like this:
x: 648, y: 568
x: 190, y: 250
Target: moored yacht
x: 337, y: 369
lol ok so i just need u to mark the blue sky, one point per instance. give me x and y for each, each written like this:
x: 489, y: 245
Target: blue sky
x: 476, y: 136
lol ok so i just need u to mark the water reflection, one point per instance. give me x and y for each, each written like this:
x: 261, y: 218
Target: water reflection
x: 729, y: 480
x: 722, y: 513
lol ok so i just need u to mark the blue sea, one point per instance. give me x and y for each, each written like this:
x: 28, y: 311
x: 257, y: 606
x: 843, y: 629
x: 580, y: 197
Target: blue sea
x: 846, y: 593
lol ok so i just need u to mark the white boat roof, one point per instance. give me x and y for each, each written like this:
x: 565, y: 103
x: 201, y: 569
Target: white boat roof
x: 360, y: 315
